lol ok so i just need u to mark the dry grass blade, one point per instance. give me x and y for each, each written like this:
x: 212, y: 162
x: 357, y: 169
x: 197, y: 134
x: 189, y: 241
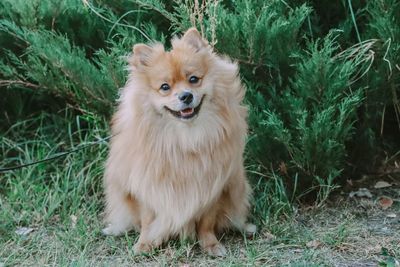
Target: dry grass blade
x: 361, y: 55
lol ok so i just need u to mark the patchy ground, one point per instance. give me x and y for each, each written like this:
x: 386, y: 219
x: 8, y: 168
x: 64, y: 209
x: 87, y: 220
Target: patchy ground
x: 357, y: 231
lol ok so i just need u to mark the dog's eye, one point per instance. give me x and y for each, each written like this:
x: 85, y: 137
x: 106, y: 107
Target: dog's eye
x: 165, y: 87
x: 194, y: 79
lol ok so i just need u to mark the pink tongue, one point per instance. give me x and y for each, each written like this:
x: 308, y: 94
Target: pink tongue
x: 187, y: 111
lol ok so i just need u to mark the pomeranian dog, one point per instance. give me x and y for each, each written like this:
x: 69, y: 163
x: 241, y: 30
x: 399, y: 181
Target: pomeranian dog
x: 175, y: 166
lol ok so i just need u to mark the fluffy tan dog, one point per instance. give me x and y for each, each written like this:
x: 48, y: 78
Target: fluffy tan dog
x: 175, y: 165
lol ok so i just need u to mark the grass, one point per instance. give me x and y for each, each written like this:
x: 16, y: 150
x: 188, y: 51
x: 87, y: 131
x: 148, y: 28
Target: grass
x: 62, y: 202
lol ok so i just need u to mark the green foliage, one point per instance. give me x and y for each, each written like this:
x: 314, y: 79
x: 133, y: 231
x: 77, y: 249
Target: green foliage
x: 323, y: 78
x: 313, y: 118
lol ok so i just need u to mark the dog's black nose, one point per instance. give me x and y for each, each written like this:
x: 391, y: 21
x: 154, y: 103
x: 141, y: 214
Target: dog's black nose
x: 186, y: 97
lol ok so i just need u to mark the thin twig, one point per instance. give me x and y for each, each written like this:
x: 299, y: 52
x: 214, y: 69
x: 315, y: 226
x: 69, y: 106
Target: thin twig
x: 383, y: 119
x: 18, y: 82
x: 389, y: 41
x: 86, y: 3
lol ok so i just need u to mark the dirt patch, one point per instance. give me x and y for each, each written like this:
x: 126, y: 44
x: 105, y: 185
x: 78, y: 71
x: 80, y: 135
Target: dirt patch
x: 356, y: 230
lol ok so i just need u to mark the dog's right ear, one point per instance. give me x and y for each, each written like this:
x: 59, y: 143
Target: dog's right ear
x: 194, y: 39
x: 141, y: 55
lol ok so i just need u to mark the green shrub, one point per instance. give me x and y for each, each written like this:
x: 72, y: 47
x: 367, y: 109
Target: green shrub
x: 323, y: 78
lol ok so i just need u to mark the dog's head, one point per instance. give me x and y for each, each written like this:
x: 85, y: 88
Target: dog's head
x: 178, y: 82
x: 188, y: 96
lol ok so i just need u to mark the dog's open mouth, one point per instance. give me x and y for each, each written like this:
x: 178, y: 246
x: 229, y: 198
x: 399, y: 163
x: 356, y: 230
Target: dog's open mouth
x: 186, y: 113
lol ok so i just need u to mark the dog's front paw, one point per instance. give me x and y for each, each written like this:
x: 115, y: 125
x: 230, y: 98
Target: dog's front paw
x: 142, y: 248
x: 216, y: 250
x: 110, y: 230
x: 250, y: 229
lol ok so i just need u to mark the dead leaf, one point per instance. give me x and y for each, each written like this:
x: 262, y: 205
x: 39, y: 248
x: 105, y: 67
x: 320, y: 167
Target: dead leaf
x: 268, y: 236
x: 73, y: 221
x: 373, y: 249
x: 23, y: 231
x: 382, y: 184
x: 283, y: 168
x: 343, y: 247
x: 385, y: 202
x: 362, y: 192
x: 313, y: 244
x: 367, y: 203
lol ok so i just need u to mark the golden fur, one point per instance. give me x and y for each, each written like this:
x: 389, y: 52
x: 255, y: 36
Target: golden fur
x: 167, y: 176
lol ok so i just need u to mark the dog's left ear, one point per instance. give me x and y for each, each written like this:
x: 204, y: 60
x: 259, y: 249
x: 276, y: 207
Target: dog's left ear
x: 193, y: 38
